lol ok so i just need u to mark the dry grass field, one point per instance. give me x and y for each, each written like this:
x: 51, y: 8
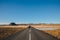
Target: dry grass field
x: 55, y: 33
x: 52, y: 29
x: 46, y: 25
x: 6, y: 31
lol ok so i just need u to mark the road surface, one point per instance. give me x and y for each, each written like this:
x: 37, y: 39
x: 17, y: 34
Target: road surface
x: 31, y: 34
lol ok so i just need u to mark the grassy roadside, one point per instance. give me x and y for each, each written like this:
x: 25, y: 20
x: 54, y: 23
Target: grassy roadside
x: 55, y: 33
x: 5, y: 32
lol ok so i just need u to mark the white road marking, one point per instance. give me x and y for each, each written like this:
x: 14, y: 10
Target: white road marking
x: 30, y: 34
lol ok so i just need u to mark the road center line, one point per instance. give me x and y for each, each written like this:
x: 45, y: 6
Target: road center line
x: 29, y: 34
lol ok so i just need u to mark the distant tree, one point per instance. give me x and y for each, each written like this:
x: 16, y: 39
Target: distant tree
x: 12, y: 23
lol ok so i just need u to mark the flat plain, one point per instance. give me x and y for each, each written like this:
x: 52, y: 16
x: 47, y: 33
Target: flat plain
x: 7, y: 30
x: 52, y: 29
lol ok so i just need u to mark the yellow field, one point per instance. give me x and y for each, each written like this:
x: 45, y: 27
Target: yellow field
x: 46, y: 25
x: 55, y: 33
x: 7, y: 31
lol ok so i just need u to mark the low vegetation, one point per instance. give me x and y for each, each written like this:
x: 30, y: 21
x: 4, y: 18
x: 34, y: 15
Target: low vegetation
x: 55, y: 33
x: 5, y: 32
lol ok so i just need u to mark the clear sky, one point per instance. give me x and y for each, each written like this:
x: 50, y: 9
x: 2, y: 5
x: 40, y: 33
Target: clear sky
x: 30, y: 11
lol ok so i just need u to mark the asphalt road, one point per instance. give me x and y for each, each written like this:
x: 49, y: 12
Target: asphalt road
x: 31, y: 34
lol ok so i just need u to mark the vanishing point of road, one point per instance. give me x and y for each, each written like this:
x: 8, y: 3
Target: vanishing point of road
x: 31, y: 34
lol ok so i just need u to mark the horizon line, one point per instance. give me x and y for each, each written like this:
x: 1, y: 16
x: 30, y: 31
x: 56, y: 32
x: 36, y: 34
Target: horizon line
x: 28, y: 23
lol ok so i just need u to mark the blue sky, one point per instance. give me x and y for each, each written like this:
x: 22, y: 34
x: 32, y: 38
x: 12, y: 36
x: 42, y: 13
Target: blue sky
x: 30, y: 11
